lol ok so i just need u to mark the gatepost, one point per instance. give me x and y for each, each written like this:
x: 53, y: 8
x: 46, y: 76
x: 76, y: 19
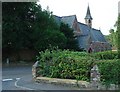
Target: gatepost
x: 95, y: 77
x: 35, y: 69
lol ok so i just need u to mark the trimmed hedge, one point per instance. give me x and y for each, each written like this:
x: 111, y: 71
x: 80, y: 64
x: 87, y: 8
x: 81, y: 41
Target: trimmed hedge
x: 110, y: 71
x: 106, y: 55
x: 77, y: 65
x: 65, y: 64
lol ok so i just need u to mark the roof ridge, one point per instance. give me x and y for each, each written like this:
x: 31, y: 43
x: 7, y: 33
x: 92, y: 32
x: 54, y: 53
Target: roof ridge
x: 57, y: 16
x: 69, y: 16
x: 86, y: 25
x: 82, y: 23
x: 96, y: 29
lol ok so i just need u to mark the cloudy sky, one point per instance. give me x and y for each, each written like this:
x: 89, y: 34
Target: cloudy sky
x: 104, y: 12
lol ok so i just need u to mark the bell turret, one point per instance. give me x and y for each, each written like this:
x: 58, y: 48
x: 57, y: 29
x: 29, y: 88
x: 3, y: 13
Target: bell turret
x: 88, y: 18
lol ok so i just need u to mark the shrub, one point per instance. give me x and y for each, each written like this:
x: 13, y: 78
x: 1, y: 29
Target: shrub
x: 65, y: 64
x: 77, y: 65
x: 106, y: 55
x: 110, y: 71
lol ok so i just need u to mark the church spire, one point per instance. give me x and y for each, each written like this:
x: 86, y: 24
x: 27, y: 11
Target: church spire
x: 88, y: 17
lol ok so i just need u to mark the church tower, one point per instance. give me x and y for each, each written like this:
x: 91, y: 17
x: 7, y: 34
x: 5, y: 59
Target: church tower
x: 88, y: 18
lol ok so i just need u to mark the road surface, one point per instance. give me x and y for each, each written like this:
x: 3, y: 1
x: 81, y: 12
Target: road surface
x: 20, y: 78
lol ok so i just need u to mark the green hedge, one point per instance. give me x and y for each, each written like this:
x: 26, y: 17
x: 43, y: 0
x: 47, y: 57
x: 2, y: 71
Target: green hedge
x: 65, y: 64
x: 106, y: 55
x: 77, y: 65
x: 110, y: 71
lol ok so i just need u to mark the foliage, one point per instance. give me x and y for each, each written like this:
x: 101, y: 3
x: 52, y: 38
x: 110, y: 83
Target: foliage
x: 49, y: 38
x: 65, y: 64
x: 118, y: 36
x: 110, y: 71
x: 71, y: 41
x: 106, y: 55
x: 112, y: 38
x: 26, y: 25
x: 16, y: 24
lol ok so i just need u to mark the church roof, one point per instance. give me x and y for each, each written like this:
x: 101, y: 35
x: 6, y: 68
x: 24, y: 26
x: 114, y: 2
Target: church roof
x: 84, y: 29
x: 57, y: 19
x: 65, y: 19
x: 68, y: 19
x: 95, y: 34
x: 86, y: 32
x: 82, y: 40
x: 88, y: 14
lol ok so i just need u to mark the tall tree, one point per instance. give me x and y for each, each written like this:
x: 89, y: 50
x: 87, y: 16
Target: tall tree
x: 26, y: 25
x: 118, y: 36
x: 71, y: 41
x: 17, y: 22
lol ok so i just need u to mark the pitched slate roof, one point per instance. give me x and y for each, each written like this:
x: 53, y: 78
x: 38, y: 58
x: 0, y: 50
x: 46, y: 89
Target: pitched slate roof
x: 95, y: 34
x: 57, y: 19
x: 98, y: 36
x: 82, y: 40
x: 65, y: 19
x: 68, y: 19
x: 84, y: 28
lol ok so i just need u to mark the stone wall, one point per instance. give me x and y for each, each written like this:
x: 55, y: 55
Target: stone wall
x: 94, y: 84
x: 100, y: 46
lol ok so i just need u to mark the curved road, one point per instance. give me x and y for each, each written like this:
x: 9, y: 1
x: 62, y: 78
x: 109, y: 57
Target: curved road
x: 20, y: 78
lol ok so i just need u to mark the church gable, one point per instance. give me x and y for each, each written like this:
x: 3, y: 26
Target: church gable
x: 87, y: 36
x: 71, y: 21
x: 76, y: 27
x: 68, y: 20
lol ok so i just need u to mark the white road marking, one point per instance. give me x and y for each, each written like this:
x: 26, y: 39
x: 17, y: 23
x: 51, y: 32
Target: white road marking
x: 7, y: 79
x: 16, y: 84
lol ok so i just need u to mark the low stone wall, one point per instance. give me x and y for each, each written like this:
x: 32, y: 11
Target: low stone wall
x: 64, y: 82
x: 94, y: 83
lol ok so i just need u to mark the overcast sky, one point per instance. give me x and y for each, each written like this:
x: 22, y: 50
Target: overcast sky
x: 104, y: 12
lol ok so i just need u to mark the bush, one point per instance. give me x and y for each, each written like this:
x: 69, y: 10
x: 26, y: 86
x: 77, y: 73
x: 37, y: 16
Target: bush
x: 77, y: 65
x: 110, y: 71
x: 65, y: 64
x: 106, y: 55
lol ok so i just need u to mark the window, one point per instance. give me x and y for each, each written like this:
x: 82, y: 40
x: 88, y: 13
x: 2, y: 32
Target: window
x: 89, y: 21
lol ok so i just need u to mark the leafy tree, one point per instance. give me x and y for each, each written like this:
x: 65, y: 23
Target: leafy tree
x: 112, y: 38
x: 48, y: 38
x: 68, y: 32
x: 17, y: 19
x: 26, y: 25
x: 118, y: 36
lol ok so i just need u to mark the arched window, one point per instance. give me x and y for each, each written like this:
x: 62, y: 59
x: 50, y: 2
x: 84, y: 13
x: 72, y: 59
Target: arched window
x: 89, y: 21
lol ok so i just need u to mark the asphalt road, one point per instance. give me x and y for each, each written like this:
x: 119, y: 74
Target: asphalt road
x: 20, y: 78
x: 10, y: 73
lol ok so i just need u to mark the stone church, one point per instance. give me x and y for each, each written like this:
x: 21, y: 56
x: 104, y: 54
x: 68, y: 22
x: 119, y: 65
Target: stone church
x: 89, y: 38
